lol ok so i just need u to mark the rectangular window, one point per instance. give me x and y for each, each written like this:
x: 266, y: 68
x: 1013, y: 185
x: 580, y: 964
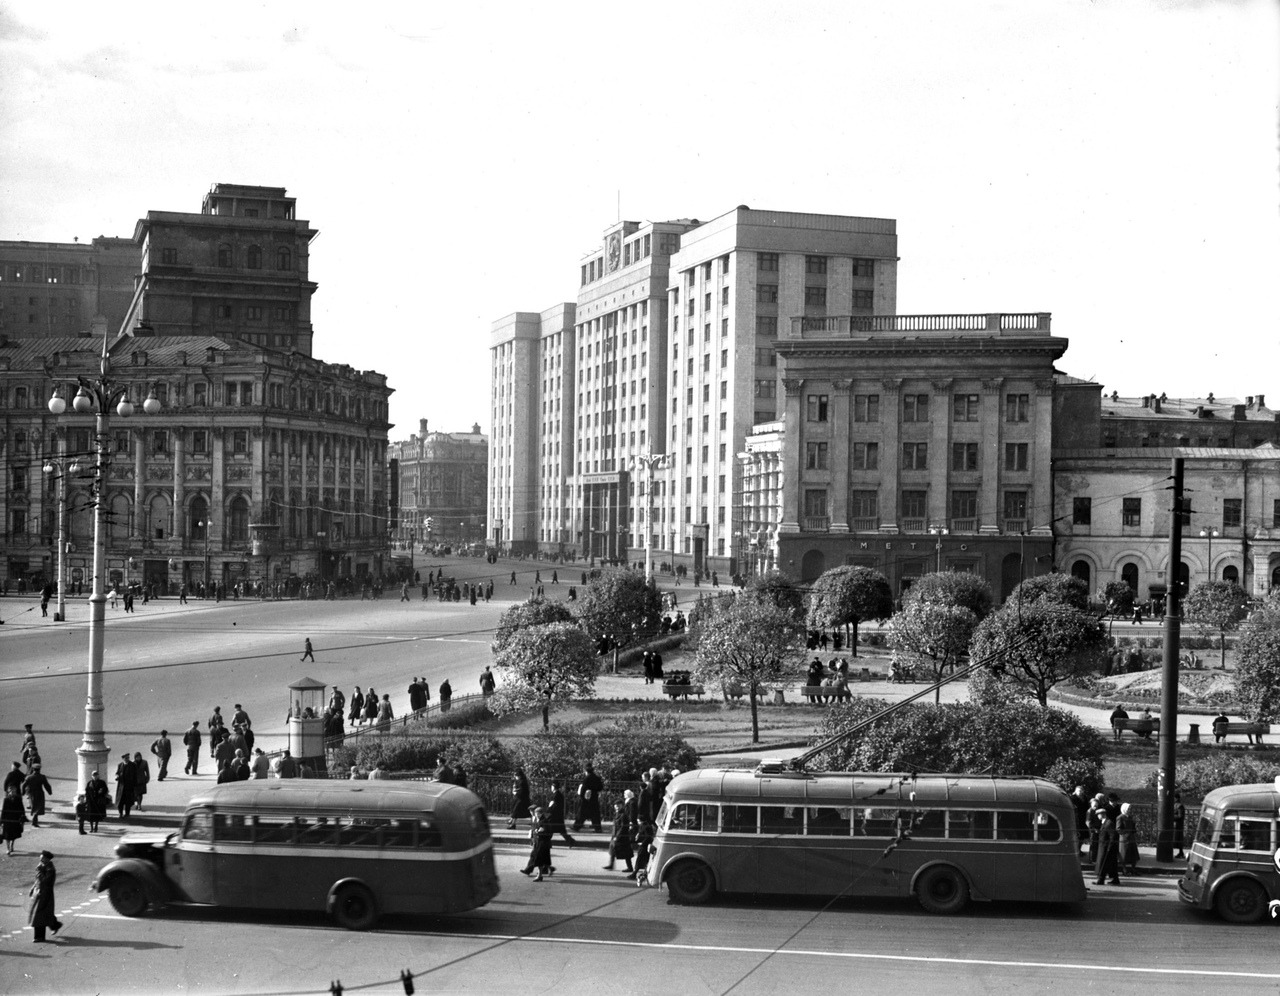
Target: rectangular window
x: 815, y: 502
x: 1231, y: 513
x: 1015, y: 504
x: 169, y: 256
x: 1015, y: 456
x: 766, y: 357
x: 200, y: 441
x: 866, y: 408
x: 864, y: 267
x: 964, y: 456
x: 915, y: 408
x: 914, y: 503
x: 766, y: 389
x: 866, y: 456
x: 964, y: 408
x: 1081, y: 511
x: 240, y: 442
x: 815, y: 264
x: 864, y: 504
x: 159, y: 441
x: 767, y: 325
x: 816, y: 456
x: 815, y: 296
x: 915, y: 456
x: 767, y: 262
x: 964, y: 504
x: 766, y: 293
x: 863, y: 300
x: 817, y: 408
x: 1017, y: 407
x: 1131, y: 512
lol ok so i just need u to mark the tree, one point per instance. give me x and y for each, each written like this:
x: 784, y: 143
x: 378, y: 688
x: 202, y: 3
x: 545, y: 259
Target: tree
x: 1065, y: 589
x: 746, y: 639
x: 1117, y: 596
x: 781, y: 590
x: 542, y: 664
x: 1035, y: 647
x: 1215, y: 606
x: 847, y: 595
x: 522, y: 615
x: 1258, y: 664
x: 934, y: 635
x: 622, y: 605
x: 952, y: 588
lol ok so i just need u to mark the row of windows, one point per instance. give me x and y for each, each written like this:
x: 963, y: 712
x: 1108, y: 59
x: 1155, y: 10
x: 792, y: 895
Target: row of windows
x: 915, y: 456
x: 767, y: 262
x: 865, y: 503
x: 915, y: 407
x: 839, y: 821
x: 255, y: 312
x: 226, y: 255
x: 39, y: 273
x: 236, y: 394
x: 335, y: 831
x: 1131, y: 512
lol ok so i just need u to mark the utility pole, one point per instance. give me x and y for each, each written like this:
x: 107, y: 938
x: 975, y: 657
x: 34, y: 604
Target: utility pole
x: 1169, y: 677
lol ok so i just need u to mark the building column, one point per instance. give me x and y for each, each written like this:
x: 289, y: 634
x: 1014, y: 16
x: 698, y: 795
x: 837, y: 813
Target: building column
x: 840, y: 460
x: 139, y: 485
x: 217, y: 498
x: 989, y: 520
x: 939, y: 458
x: 1042, y: 488
x: 179, y: 484
x: 890, y: 453
x: 791, y: 482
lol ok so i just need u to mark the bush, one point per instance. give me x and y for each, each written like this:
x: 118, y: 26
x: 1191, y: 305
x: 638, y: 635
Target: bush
x: 1203, y: 775
x: 619, y: 753
x: 461, y: 716
x: 1013, y: 739
x: 478, y: 754
x: 1067, y: 773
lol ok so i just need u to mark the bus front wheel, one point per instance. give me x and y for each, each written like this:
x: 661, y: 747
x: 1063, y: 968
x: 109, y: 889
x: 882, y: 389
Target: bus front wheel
x: 354, y: 908
x: 690, y: 883
x: 1240, y: 900
x: 942, y: 889
x: 128, y: 895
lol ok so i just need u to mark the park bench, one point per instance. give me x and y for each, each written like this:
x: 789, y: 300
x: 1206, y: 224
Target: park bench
x: 1251, y: 730
x: 1140, y: 727
x: 830, y: 691
x: 683, y: 691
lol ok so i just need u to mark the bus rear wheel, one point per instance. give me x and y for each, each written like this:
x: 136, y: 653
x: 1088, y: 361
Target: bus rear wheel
x: 354, y: 908
x: 128, y: 895
x: 942, y: 889
x: 1240, y: 900
x: 690, y: 883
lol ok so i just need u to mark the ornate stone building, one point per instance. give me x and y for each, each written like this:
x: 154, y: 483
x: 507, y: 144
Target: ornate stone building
x: 441, y: 476
x: 60, y: 288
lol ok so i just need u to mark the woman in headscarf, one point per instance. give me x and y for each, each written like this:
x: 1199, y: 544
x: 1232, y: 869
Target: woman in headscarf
x: 1128, y: 830
x: 371, y: 706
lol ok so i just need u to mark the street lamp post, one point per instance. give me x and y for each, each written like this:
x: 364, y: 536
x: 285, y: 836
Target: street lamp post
x: 1210, y: 533
x: 99, y: 396
x: 650, y: 462
x: 206, y: 525
x: 61, y: 466
x: 938, y: 531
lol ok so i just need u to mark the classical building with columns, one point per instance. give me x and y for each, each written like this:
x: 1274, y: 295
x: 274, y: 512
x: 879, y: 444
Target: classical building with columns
x: 439, y: 476
x: 259, y: 465
x: 907, y: 443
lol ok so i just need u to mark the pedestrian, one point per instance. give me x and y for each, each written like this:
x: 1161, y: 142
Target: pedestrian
x: 385, y: 715
x: 443, y: 772
x: 1128, y: 832
x: 371, y: 706
x: 520, y: 794
x: 1108, y: 851
x: 306, y: 650
x: 555, y: 813
x: 459, y: 776
x: 1080, y: 800
x: 14, y: 778
x: 126, y: 785
x: 446, y: 693
x: 1179, y: 822
x: 643, y: 844
x: 192, y: 741
x: 97, y: 797
x: 36, y: 787
x: 42, y: 915
x: 216, y: 721
x: 416, y: 702
x: 12, y: 818
x: 288, y: 766
x: 82, y: 810
x: 379, y: 772
x: 162, y: 748
x: 620, y: 841
x: 241, y: 718
x: 261, y: 764
x: 142, y: 777
x: 540, y: 833
x: 589, y: 788
x: 487, y: 682
x: 357, y: 707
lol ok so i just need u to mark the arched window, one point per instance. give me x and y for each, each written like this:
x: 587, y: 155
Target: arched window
x: 1129, y: 575
x: 1275, y: 577
x: 812, y: 566
x: 1184, y: 576
x: 284, y: 259
x: 1231, y: 573
x: 157, y: 525
x: 224, y: 254
x: 198, y: 517
x: 253, y: 258
x: 239, y: 521
x: 118, y: 519
x: 1080, y: 569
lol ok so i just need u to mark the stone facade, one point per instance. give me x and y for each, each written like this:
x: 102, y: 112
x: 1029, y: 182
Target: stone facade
x: 62, y: 288
x: 442, y: 476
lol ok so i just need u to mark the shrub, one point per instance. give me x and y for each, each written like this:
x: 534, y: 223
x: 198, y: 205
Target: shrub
x: 619, y: 752
x: 478, y: 754
x: 1203, y: 775
x: 461, y: 716
x: 1069, y: 772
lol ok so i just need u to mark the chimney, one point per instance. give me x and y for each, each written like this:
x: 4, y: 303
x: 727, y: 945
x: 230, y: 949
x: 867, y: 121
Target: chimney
x: 422, y: 428
x: 475, y: 428
x: 1146, y: 401
x: 1155, y: 402
x: 1248, y: 401
x: 1238, y: 412
x: 1262, y: 401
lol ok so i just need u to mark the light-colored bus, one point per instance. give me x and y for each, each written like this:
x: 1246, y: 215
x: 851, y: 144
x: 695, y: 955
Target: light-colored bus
x: 355, y: 849
x: 944, y: 839
x: 1234, y: 864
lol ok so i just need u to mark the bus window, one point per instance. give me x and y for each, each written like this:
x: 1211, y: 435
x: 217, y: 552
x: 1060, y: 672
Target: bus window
x: 198, y: 826
x: 1204, y: 829
x: 1047, y: 827
x: 739, y: 819
x: 928, y: 823
x: 399, y: 833
x: 983, y: 824
x: 429, y: 833
x: 879, y: 823
x: 825, y: 821
x: 692, y: 817
x: 1013, y: 826
x: 1255, y: 834
x: 231, y: 827
x: 272, y: 829
x: 319, y: 832
x: 1227, y: 835
x: 780, y: 820
x: 362, y: 832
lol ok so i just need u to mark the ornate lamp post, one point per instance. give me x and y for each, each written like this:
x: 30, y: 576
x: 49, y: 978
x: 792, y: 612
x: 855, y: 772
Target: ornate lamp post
x: 650, y: 462
x: 938, y: 531
x: 1210, y: 533
x: 206, y: 525
x: 100, y: 396
x: 63, y: 469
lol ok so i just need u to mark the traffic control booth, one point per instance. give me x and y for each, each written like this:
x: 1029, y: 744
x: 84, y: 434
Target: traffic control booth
x: 306, y: 723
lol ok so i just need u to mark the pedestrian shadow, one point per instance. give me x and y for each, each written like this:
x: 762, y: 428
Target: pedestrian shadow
x: 69, y: 941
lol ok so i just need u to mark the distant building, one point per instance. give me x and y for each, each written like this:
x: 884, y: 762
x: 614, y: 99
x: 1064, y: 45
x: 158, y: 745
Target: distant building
x: 50, y: 289
x: 1160, y: 421
x: 441, y: 476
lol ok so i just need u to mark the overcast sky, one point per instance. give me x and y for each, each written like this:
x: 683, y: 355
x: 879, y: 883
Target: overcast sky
x: 1114, y: 163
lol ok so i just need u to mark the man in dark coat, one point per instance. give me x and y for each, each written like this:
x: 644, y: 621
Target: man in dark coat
x: 163, y: 750
x: 446, y: 693
x: 416, y: 700
x: 42, y: 914
x: 15, y: 777
x: 35, y: 787
x: 589, y: 788
x: 96, y: 798
x: 126, y: 785
x: 555, y: 813
x: 192, y: 740
x: 521, y: 795
x: 1108, y: 852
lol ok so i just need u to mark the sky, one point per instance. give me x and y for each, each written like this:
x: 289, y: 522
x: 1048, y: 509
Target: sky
x: 1114, y: 163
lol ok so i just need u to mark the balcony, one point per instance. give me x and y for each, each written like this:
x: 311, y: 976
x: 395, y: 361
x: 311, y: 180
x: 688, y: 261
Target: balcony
x: 865, y: 524
x: 969, y: 525
x: 853, y: 326
x: 913, y: 525
x: 1012, y: 526
x: 817, y: 523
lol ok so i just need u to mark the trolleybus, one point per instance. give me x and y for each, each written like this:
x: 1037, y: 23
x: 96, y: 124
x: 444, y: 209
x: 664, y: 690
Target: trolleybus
x: 1233, y: 867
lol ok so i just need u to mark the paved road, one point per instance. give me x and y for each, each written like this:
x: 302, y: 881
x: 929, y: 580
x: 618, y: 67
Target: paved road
x: 586, y: 929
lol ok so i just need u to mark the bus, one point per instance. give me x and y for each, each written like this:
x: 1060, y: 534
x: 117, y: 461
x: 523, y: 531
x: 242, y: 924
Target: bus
x: 353, y: 849
x: 1234, y: 864
x: 944, y: 839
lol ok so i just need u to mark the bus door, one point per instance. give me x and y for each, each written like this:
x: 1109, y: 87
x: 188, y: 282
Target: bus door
x: 190, y: 862
x: 828, y: 850
x: 1247, y: 843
